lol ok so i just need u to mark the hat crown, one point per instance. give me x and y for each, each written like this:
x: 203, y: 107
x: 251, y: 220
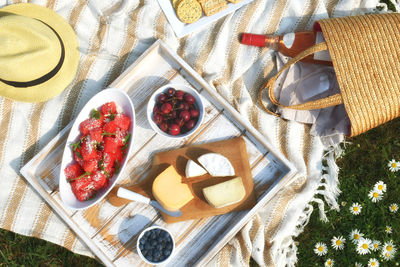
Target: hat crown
x: 29, y: 48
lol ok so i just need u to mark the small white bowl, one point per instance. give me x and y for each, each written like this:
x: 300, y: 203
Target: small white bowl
x: 182, y: 87
x: 123, y: 101
x: 140, y: 252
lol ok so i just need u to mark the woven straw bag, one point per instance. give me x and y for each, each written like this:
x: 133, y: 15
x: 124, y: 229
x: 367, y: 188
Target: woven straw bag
x: 365, y: 52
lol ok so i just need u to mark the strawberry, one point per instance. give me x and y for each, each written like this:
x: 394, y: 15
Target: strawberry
x: 98, y: 180
x: 110, y: 127
x: 108, y: 108
x: 89, y: 124
x: 96, y: 135
x: 73, y: 170
x: 110, y: 145
x: 90, y: 165
x: 122, y: 121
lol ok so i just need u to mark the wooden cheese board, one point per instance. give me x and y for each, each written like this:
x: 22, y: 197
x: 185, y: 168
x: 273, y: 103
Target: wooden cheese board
x: 234, y: 149
x: 111, y: 231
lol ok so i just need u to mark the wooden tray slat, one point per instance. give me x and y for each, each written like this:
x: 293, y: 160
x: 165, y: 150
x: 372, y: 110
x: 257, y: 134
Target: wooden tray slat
x: 111, y: 231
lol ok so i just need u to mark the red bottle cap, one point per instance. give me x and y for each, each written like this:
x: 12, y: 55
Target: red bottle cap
x: 253, y: 39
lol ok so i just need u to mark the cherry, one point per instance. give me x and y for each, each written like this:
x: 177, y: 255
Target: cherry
x: 173, y: 114
x: 179, y: 122
x: 174, y: 129
x: 157, y: 118
x: 171, y: 92
x: 156, y: 109
x: 164, y: 127
x: 161, y: 98
x: 179, y: 94
x: 166, y: 108
x: 185, y: 115
x: 190, y: 124
x: 189, y: 98
x: 194, y: 113
x: 185, y: 106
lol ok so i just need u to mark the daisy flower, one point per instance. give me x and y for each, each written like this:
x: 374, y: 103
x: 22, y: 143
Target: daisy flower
x: 393, y: 207
x: 355, y: 236
x: 355, y: 208
x: 329, y: 263
x: 364, y: 246
x: 380, y: 186
x: 389, y: 247
x: 375, y: 195
x: 393, y: 165
x: 320, y: 249
x: 373, y: 262
x: 357, y: 264
x: 338, y: 242
x: 375, y: 245
x: 387, y: 256
x: 388, y: 229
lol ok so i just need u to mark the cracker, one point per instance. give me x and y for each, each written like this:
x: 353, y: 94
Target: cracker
x: 211, y: 7
x: 235, y: 1
x: 174, y: 3
x: 188, y: 11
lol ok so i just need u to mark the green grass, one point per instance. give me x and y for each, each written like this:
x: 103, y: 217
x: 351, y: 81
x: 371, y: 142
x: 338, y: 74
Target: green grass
x: 364, y: 164
x: 19, y: 250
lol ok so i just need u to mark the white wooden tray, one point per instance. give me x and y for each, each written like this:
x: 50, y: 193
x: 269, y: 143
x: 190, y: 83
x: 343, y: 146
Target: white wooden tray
x: 111, y: 232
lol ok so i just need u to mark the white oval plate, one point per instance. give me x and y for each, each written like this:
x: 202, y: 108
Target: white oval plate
x: 124, y: 103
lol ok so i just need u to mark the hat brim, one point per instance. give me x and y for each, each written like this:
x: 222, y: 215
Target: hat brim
x: 55, y: 85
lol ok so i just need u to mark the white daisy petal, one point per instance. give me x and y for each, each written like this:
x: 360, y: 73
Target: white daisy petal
x: 355, y: 208
x: 393, y: 165
x: 357, y: 264
x: 320, y: 249
x: 388, y: 229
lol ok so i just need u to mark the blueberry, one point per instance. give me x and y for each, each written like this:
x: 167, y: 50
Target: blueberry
x: 153, y: 235
x: 147, y: 234
x: 141, y: 246
x: 160, y: 246
x: 142, y: 241
x: 164, y: 234
x: 147, y: 246
x: 169, y: 247
x: 166, y: 252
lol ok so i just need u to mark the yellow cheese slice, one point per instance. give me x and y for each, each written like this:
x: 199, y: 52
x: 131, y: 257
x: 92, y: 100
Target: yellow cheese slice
x: 225, y: 193
x: 169, y: 191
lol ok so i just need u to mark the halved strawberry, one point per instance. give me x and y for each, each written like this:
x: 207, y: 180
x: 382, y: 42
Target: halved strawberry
x: 108, y: 108
x: 73, y: 170
x: 90, y: 165
x: 122, y: 121
x: 87, y: 125
x: 96, y: 135
x: 98, y: 180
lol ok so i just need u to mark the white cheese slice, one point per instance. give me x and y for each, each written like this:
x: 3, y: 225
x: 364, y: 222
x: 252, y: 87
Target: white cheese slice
x: 216, y: 164
x: 193, y: 169
x: 225, y: 193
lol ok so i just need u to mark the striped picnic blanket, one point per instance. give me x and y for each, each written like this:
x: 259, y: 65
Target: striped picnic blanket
x: 112, y: 35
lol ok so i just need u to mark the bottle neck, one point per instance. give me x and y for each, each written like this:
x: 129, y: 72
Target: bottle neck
x: 272, y: 42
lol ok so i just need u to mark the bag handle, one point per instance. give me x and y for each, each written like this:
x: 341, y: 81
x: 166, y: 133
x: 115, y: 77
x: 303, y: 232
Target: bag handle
x: 329, y: 101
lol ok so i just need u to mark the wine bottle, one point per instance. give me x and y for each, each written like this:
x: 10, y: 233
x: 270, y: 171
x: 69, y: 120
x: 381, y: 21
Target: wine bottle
x: 291, y: 44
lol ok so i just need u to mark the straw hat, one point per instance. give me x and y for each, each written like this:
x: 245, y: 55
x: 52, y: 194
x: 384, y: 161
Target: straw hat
x: 39, y: 53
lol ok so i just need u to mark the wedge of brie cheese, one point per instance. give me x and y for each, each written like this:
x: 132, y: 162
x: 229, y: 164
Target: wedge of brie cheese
x: 225, y: 193
x: 193, y: 169
x: 216, y: 164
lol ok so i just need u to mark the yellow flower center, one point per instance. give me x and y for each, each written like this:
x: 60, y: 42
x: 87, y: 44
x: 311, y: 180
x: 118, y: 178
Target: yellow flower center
x: 356, y: 236
x: 387, y: 255
x: 375, y: 245
x: 338, y: 242
x: 373, y: 263
x: 375, y: 195
x: 329, y: 263
x: 355, y: 208
x: 393, y: 208
x: 389, y: 248
x: 364, y: 246
x: 380, y: 187
x: 394, y: 164
x: 320, y: 248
